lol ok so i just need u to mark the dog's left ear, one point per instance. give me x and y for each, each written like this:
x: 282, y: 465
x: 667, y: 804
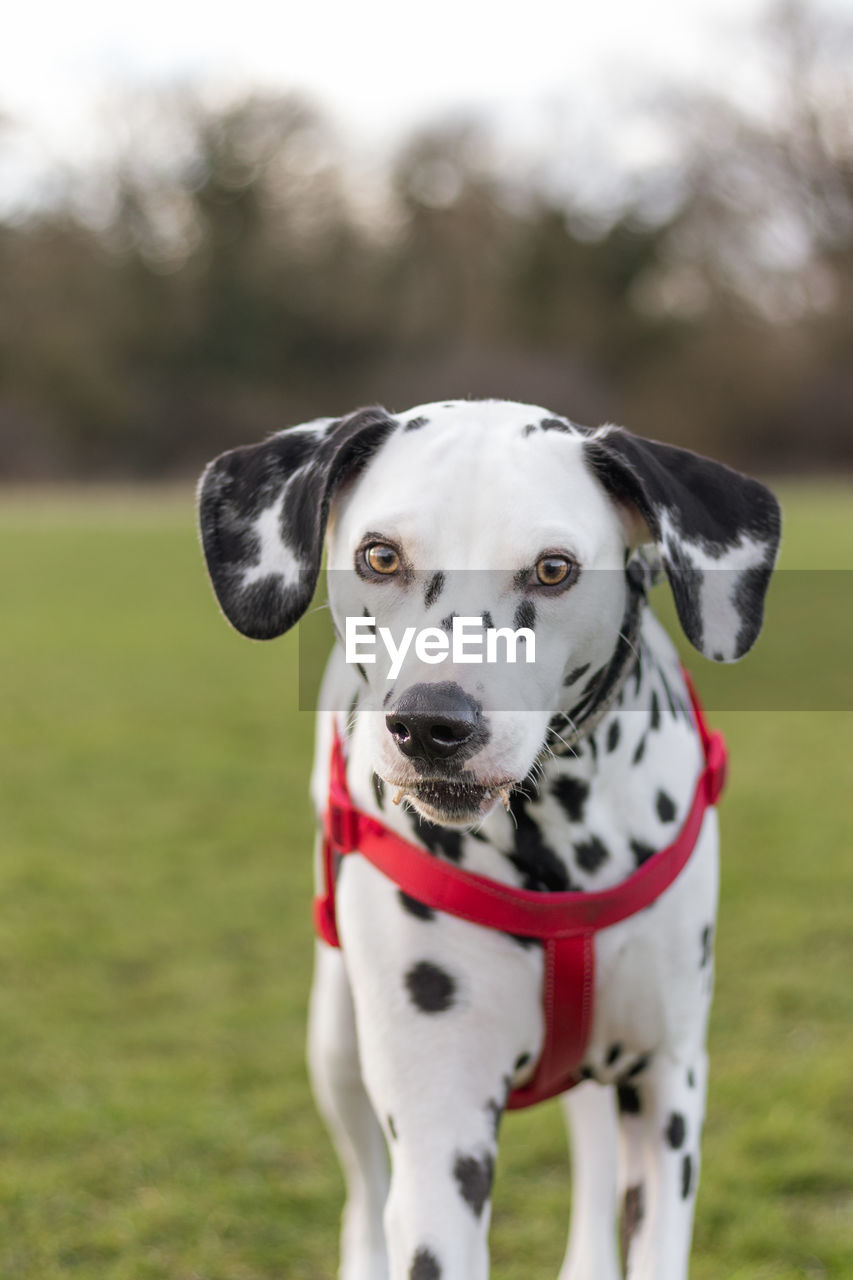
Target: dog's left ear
x: 716, y: 530
x: 263, y: 510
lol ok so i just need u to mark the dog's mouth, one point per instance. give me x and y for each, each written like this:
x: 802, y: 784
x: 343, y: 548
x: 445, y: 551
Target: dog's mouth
x: 452, y: 803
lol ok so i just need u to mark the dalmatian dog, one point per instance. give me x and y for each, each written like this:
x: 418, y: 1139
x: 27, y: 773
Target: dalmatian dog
x: 566, y: 773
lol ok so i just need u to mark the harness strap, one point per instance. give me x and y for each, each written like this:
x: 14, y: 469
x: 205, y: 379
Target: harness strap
x: 564, y: 922
x: 568, y: 983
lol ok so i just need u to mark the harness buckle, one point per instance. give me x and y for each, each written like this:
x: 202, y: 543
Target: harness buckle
x: 341, y: 827
x: 716, y: 766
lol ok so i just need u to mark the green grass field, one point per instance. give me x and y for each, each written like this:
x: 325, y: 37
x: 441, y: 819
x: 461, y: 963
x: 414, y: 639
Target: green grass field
x: 155, y: 938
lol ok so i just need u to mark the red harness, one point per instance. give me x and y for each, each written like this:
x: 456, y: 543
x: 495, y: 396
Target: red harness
x: 565, y: 922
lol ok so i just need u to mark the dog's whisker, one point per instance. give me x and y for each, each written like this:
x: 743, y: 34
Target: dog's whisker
x: 567, y: 745
x: 572, y: 724
x: 537, y: 769
x: 631, y: 646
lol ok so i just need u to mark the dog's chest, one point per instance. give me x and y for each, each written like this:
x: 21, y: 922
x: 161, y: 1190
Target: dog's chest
x: 586, y: 818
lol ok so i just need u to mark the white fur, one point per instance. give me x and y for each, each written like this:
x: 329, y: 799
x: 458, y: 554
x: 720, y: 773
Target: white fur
x: 276, y: 559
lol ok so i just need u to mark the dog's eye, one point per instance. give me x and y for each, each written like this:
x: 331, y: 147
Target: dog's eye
x: 551, y: 571
x: 381, y: 558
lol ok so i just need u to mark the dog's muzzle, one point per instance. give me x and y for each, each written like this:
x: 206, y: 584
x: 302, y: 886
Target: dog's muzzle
x: 437, y: 727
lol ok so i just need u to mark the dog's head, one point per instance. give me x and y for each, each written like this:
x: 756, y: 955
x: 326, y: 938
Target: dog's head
x: 492, y: 511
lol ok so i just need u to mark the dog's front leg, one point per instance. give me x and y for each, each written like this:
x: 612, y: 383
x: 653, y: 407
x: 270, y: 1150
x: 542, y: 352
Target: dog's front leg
x: 343, y: 1102
x: 445, y: 1011
x: 591, y: 1111
x: 661, y: 1115
x: 438, y: 1213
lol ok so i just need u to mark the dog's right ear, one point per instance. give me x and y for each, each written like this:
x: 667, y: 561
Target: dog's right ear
x: 263, y: 511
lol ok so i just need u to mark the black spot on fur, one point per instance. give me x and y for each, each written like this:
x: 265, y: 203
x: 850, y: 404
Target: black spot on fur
x: 425, y: 1266
x: 587, y: 1072
x: 665, y: 807
x: 670, y: 700
x: 554, y: 424
x: 525, y: 615
x: 530, y: 429
x: 686, y: 1177
x: 676, y: 1130
x: 639, y: 672
x: 628, y: 1097
x: 707, y: 943
x: 575, y: 675
x: 474, y: 1180
x: 392, y: 1128
x: 521, y: 1061
x: 443, y: 841
x: 430, y: 988
x: 638, y: 1067
x: 361, y: 671
x: 592, y: 686
x: 614, y: 1052
x: 751, y: 587
x: 590, y: 854
x: 488, y: 623
x: 434, y: 589
x: 378, y: 790
x: 633, y: 1212
x: 524, y: 941
x: 642, y: 852
x: 417, y: 909
x: 686, y: 581
x: 691, y: 1078
x: 572, y: 795
x: 446, y: 624
x: 640, y: 751
x: 536, y: 860
x: 655, y: 720
x: 414, y: 424
x: 613, y: 736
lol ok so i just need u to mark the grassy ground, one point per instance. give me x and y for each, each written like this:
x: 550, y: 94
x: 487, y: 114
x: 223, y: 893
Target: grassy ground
x: 155, y: 940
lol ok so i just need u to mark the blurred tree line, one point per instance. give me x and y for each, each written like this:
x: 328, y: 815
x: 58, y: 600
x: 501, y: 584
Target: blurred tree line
x: 227, y: 272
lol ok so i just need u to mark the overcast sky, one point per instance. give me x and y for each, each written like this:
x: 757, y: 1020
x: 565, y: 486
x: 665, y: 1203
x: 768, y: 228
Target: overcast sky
x: 378, y: 65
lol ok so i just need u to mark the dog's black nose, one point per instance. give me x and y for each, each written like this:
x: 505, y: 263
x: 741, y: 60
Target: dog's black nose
x: 434, y: 721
